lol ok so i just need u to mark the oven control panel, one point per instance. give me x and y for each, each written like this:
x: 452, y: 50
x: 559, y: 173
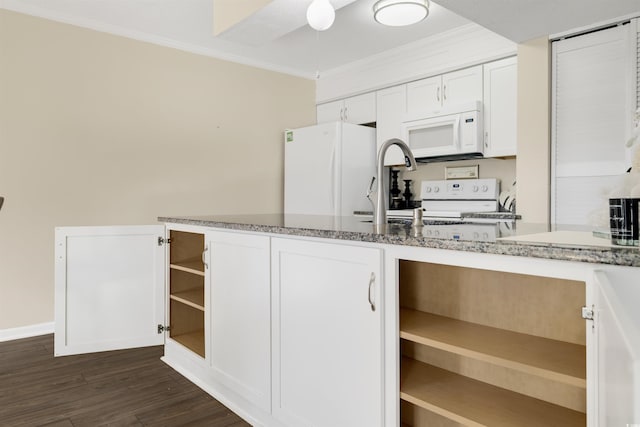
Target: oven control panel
x: 461, y: 189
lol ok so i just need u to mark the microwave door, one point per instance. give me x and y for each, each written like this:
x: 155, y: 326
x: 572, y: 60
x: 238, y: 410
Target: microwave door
x: 433, y: 137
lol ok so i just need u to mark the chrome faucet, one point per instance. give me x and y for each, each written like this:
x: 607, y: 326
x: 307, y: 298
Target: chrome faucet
x: 380, y: 207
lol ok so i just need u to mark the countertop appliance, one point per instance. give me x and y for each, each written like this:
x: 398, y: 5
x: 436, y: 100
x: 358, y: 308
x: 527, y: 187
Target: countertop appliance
x: 451, y: 133
x: 328, y: 169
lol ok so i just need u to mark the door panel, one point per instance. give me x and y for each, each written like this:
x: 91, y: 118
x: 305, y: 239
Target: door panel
x: 616, y: 349
x: 241, y: 314
x: 109, y: 288
x: 462, y: 86
x: 327, y: 345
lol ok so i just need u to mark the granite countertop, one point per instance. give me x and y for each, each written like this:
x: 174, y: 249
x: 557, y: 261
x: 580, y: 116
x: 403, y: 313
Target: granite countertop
x: 569, y: 243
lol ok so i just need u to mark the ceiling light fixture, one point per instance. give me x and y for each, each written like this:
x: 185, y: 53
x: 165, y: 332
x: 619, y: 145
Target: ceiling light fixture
x: 398, y: 13
x: 320, y: 15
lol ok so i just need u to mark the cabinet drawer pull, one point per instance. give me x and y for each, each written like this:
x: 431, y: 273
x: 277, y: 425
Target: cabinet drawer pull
x: 438, y: 94
x: 444, y: 93
x: 371, y: 282
x: 204, y: 257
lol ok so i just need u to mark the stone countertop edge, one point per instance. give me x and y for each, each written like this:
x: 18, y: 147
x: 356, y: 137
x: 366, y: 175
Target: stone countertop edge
x: 622, y: 256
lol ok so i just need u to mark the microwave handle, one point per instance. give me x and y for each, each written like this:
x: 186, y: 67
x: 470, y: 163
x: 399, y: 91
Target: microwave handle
x: 456, y: 132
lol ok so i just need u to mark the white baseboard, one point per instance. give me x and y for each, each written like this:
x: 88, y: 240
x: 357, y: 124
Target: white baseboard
x: 26, y: 331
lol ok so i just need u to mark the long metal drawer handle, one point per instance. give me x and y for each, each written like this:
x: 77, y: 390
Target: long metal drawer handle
x: 371, y: 282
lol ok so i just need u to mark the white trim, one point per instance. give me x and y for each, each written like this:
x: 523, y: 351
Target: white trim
x: 150, y: 38
x: 593, y: 27
x: 26, y: 331
x: 461, y: 47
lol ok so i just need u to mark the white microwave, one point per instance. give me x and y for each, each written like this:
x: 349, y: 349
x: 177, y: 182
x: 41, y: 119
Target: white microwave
x: 454, y: 132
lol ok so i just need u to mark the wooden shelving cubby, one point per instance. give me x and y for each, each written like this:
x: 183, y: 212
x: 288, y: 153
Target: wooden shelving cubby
x: 186, y: 290
x: 488, y: 348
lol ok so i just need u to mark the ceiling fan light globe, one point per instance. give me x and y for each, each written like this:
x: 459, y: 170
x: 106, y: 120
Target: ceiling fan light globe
x: 399, y: 13
x: 320, y: 15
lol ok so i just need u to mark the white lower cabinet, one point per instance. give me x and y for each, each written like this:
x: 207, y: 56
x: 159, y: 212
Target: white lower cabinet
x: 240, y: 302
x: 614, y: 352
x: 289, y: 331
x: 327, y: 326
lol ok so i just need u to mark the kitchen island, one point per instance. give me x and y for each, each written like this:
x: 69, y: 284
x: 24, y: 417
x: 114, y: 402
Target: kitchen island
x: 312, y: 320
x: 515, y: 238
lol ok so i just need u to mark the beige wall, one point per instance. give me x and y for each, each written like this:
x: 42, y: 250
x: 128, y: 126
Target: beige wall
x: 534, y: 104
x: 99, y: 130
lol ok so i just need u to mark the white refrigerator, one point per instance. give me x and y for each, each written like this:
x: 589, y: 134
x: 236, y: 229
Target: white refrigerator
x: 328, y: 169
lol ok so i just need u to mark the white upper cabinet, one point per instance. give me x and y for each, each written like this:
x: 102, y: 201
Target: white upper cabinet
x: 391, y: 104
x: 430, y: 95
x: 356, y: 109
x: 424, y: 96
x: 330, y: 112
x: 500, y: 105
x: 462, y: 86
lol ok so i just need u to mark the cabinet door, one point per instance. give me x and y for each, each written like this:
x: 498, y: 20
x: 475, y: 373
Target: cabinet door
x: 614, y: 349
x: 462, y: 86
x: 240, y: 314
x: 500, y: 104
x: 424, y: 97
x: 109, y: 288
x: 330, y: 112
x: 360, y: 109
x: 327, y: 345
x: 391, y: 105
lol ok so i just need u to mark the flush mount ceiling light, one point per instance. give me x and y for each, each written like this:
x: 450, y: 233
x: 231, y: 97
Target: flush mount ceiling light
x: 398, y: 13
x: 320, y: 15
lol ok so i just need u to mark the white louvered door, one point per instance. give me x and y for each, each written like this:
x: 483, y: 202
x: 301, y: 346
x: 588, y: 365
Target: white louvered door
x: 593, y: 92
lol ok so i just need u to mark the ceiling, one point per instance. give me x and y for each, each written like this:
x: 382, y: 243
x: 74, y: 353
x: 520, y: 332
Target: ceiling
x: 278, y: 38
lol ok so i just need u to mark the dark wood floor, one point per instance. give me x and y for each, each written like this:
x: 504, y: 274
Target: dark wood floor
x: 117, y: 388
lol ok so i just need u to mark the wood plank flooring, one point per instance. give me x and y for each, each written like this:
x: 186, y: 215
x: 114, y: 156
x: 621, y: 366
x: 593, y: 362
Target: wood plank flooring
x: 116, y: 388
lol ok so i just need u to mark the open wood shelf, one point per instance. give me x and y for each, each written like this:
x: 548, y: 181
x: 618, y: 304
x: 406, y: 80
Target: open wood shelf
x: 193, y: 341
x: 551, y: 359
x: 193, y: 298
x: 195, y: 266
x: 474, y: 403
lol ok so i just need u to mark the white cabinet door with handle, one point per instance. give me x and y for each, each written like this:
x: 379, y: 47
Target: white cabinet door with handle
x: 327, y: 334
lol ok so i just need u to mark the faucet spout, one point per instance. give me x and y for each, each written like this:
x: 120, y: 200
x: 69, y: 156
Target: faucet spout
x: 380, y: 209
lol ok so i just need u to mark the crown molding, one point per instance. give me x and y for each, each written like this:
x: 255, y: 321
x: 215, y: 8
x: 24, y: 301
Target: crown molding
x: 457, y: 48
